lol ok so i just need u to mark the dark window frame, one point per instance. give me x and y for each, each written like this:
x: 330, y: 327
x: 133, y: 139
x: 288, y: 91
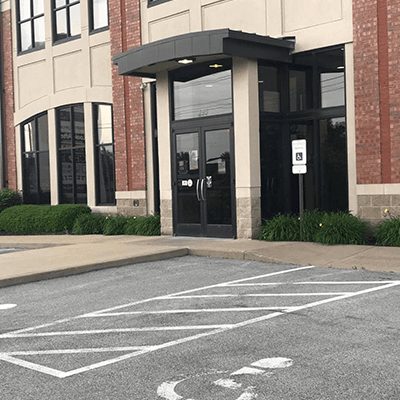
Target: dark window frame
x: 93, y: 30
x: 69, y: 4
x: 31, y: 20
x: 72, y: 148
x: 36, y: 152
x: 309, y: 116
x: 97, y: 147
x: 152, y: 3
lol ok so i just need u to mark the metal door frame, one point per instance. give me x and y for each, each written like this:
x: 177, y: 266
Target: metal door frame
x: 201, y: 125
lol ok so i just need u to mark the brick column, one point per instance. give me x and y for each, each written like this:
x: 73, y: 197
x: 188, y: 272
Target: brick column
x: 393, y: 32
x: 130, y: 161
x: 8, y: 98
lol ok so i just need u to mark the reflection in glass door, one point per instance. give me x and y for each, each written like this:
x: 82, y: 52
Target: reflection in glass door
x: 203, y: 182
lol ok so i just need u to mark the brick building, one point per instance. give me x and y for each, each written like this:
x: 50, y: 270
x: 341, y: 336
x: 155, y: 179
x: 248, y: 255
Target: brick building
x: 189, y: 107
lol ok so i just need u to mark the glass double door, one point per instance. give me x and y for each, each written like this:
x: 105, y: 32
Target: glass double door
x: 203, y: 184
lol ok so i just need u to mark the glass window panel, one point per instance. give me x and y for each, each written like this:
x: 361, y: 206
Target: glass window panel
x: 269, y: 89
x: 39, y: 32
x: 100, y: 14
x: 80, y: 176
x: 75, y: 19
x: 38, y: 7
x: 332, y: 89
x: 218, y: 174
x: 24, y: 9
x: 30, y: 178
x: 26, y: 36
x: 332, y: 83
x: 187, y: 158
x: 204, y: 96
x: 67, y: 177
x: 79, y: 128
x: 104, y: 124
x: 43, y: 133
x: 106, y: 190
x: 60, y: 3
x: 300, y: 91
x: 61, y: 24
x: 44, y: 178
x: 29, y: 136
x: 333, y: 154
x: 64, y: 116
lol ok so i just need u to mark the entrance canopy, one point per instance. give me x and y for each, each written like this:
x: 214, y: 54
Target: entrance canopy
x: 147, y: 60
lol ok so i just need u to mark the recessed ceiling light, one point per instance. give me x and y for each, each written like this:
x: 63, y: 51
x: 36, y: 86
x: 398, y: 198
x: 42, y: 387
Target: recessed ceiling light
x: 215, y: 66
x: 186, y: 61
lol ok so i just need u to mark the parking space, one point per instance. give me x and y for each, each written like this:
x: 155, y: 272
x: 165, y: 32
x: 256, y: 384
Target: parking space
x: 63, y: 348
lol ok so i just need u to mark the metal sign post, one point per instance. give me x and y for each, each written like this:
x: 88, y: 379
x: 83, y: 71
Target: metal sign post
x: 299, y: 159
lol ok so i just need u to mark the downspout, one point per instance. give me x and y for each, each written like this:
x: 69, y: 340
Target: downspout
x: 2, y: 128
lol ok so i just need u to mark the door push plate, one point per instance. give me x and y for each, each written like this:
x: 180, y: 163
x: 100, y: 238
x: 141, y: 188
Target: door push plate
x: 209, y: 182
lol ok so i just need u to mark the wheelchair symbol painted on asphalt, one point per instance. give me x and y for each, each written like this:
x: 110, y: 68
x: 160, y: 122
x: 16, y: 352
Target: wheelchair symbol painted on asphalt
x: 261, y: 368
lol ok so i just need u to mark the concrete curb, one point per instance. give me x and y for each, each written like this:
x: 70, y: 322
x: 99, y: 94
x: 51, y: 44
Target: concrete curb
x: 44, y: 275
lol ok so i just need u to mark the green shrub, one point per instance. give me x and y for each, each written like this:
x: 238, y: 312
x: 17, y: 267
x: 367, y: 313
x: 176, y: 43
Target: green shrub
x: 341, y: 228
x: 89, y: 224
x: 281, y: 228
x: 388, y: 233
x: 31, y: 219
x: 62, y: 217
x: 9, y: 198
x: 143, y: 226
x: 311, y: 221
x: 115, y: 225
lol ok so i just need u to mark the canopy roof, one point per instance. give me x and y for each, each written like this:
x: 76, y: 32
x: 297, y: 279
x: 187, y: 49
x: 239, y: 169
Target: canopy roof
x: 147, y: 60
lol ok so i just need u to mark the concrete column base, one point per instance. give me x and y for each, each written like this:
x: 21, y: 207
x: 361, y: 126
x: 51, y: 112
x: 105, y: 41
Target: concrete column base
x: 248, y: 212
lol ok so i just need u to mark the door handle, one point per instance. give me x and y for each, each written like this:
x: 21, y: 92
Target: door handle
x: 197, y: 190
x: 202, y: 190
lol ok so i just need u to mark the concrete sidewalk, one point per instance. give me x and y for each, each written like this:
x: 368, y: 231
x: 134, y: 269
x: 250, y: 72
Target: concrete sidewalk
x: 49, y: 256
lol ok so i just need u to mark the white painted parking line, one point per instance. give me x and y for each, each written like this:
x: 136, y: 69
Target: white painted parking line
x: 7, y: 306
x: 210, y: 296
x: 189, y: 311
x: 77, y: 351
x: 208, y: 330
x: 120, y: 330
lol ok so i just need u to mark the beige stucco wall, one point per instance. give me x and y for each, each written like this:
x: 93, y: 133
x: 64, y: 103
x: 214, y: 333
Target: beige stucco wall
x: 315, y: 23
x: 77, y: 71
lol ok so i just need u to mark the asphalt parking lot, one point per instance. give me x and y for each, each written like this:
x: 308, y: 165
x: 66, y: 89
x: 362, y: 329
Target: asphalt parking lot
x: 202, y: 329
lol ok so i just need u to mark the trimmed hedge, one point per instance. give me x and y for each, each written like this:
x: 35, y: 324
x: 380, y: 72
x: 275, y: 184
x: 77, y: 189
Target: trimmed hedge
x: 34, y: 219
x: 89, y: 224
x: 9, y: 198
x: 143, y: 226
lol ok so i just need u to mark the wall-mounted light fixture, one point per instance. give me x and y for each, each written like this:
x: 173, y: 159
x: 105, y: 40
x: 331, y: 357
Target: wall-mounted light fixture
x: 215, y: 66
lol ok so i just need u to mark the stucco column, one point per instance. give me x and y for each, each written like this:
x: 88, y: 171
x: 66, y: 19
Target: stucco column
x: 247, y: 147
x: 164, y: 144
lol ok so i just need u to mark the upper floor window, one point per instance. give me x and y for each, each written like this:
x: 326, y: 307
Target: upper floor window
x: 155, y: 2
x: 66, y: 19
x: 98, y: 14
x: 30, y: 22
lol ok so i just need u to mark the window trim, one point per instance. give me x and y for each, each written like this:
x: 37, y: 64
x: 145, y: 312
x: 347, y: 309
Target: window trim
x: 152, y: 3
x: 67, y: 6
x: 31, y: 20
x: 93, y: 30
x: 72, y: 148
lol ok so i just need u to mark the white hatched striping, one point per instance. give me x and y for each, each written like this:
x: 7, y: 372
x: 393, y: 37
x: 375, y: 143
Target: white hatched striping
x: 207, y: 329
